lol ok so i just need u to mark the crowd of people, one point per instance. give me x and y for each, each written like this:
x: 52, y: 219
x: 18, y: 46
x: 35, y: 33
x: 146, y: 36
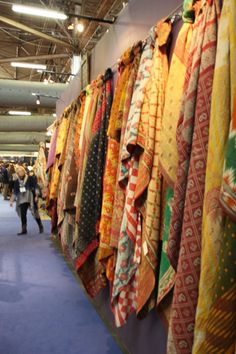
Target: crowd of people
x: 19, y: 184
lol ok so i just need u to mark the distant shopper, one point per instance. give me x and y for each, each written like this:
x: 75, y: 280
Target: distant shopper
x: 26, y: 196
x: 5, y: 181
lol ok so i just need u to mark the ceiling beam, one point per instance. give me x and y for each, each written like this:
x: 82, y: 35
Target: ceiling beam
x: 35, y: 57
x: 33, y: 31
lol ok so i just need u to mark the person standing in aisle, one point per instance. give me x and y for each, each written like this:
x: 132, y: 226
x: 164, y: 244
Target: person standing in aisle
x: 5, y: 181
x: 26, y: 195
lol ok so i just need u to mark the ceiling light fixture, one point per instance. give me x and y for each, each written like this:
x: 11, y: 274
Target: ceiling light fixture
x: 38, y: 11
x: 80, y: 27
x: 19, y: 113
x: 28, y: 65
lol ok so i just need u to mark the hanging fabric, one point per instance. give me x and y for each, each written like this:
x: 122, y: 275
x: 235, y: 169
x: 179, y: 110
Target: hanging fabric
x: 91, y: 199
x: 192, y: 139
x: 86, y: 138
x: 124, y: 287
x: 216, y: 310
x: 111, y: 191
x: 149, y: 182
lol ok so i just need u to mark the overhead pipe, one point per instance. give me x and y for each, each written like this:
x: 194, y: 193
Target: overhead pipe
x: 19, y: 147
x: 34, y: 123
x: 23, y: 138
x: 19, y: 93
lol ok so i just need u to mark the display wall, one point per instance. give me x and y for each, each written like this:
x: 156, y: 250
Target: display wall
x: 132, y: 25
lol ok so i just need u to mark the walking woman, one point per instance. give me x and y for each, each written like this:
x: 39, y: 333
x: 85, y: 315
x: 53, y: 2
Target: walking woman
x: 26, y: 195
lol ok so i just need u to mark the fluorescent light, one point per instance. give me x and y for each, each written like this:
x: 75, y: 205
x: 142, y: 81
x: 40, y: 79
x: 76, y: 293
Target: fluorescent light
x: 28, y: 65
x: 38, y: 11
x: 80, y: 27
x: 19, y: 113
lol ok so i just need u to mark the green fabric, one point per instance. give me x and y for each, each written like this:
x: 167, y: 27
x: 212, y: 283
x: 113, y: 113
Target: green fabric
x: 188, y: 11
x: 220, y: 330
x: 167, y: 273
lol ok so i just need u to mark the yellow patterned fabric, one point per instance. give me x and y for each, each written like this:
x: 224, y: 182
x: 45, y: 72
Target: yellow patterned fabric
x: 174, y: 89
x: 149, y: 178
x: 214, y: 221
x: 61, y: 140
x: 105, y: 252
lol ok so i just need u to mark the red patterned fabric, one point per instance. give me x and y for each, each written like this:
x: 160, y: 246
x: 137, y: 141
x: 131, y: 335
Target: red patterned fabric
x: 192, y: 138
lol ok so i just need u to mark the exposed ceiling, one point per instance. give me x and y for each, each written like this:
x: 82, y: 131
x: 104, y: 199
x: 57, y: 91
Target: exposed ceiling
x: 58, y: 48
x: 45, y: 41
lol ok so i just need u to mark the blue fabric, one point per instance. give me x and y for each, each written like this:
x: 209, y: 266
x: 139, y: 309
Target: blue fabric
x: 43, y: 309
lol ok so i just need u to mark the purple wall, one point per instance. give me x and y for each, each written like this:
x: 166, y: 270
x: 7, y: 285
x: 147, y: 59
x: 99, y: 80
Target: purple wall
x: 132, y: 25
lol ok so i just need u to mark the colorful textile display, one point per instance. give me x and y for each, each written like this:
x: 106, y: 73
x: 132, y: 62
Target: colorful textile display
x: 214, y: 330
x: 142, y: 185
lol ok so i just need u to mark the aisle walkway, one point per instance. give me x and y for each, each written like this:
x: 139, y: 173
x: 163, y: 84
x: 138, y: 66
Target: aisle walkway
x: 43, y: 309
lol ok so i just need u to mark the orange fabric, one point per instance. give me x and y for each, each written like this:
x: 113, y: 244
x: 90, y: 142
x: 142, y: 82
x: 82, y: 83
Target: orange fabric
x: 149, y: 182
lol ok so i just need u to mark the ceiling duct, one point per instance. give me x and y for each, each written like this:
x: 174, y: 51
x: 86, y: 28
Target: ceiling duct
x: 19, y: 147
x: 25, y: 123
x: 23, y: 138
x: 19, y: 93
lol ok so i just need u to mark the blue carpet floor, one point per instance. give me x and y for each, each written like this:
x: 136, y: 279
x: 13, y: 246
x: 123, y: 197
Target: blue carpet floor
x: 43, y: 309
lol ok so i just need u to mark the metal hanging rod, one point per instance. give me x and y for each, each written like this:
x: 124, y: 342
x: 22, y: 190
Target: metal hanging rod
x: 90, y: 18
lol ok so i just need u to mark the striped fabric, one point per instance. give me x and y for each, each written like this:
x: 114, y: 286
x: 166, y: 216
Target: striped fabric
x: 110, y: 175
x: 192, y: 137
x: 216, y: 310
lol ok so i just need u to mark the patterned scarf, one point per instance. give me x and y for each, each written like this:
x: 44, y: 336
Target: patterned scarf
x: 85, y: 140
x: 192, y: 138
x: 40, y: 168
x: 68, y: 151
x: 63, y: 136
x: 216, y: 310
x: 72, y: 176
x: 91, y: 201
x: 60, y: 142
x: 128, y: 243
x: 113, y: 194
x: 131, y: 132
x: 168, y: 158
x: 149, y: 183
x: 174, y: 91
